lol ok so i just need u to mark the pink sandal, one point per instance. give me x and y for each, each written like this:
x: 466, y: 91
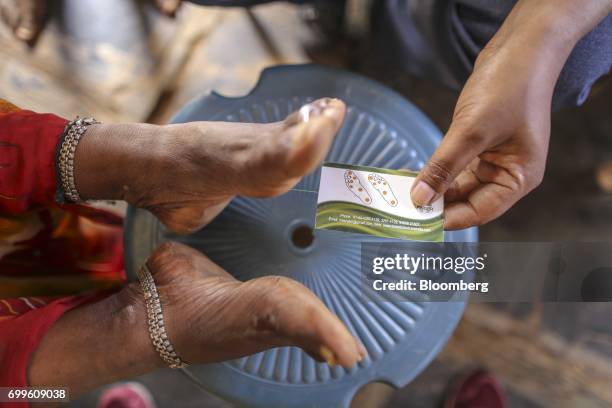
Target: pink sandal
x: 477, y: 390
x: 126, y: 395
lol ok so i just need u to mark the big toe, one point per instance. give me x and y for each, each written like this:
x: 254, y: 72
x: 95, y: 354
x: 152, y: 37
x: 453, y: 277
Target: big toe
x: 298, y: 144
x: 303, y: 320
x: 312, y: 130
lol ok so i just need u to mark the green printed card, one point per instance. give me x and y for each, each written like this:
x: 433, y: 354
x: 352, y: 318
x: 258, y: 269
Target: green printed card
x: 374, y: 201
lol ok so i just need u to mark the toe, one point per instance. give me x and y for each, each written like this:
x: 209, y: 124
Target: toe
x: 292, y: 148
x: 312, y: 130
x: 303, y: 320
x: 329, y: 107
x: 336, y: 345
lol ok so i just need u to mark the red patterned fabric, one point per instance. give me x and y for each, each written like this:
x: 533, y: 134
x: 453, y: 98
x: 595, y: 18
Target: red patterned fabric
x: 20, y: 336
x: 27, y: 160
x: 48, y: 252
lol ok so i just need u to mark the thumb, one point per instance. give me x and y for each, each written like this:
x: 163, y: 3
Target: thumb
x: 458, y: 148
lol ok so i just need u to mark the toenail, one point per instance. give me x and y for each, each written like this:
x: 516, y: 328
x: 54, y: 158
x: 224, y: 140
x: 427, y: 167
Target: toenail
x: 328, y: 356
x: 320, y: 107
x: 308, y: 111
x: 305, y: 113
x: 323, y: 103
x: 331, y: 112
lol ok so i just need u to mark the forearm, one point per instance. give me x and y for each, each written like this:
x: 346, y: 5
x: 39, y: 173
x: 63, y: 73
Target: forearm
x: 555, y: 23
x: 569, y: 19
x: 538, y: 35
x: 95, y: 344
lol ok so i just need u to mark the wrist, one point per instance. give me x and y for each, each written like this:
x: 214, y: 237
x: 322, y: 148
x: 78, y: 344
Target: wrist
x: 532, y: 57
x: 546, y: 31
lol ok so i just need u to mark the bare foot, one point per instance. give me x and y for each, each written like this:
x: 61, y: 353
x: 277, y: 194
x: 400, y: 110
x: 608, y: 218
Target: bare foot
x: 210, y: 316
x: 256, y: 160
x: 185, y: 174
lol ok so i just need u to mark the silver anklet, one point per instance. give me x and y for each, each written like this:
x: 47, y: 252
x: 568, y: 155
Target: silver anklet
x: 72, y: 135
x: 155, y: 320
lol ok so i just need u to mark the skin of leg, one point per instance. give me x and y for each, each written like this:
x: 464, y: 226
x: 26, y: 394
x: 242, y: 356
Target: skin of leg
x: 209, y: 317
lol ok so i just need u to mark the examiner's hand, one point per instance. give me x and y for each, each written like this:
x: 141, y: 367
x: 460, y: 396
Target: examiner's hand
x: 210, y: 316
x: 494, y: 152
x: 186, y: 174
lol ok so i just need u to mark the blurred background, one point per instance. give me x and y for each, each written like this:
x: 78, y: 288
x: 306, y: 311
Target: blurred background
x: 123, y: 61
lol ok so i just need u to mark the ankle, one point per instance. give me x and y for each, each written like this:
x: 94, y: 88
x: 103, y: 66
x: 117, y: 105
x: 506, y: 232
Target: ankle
x: 113, y: 161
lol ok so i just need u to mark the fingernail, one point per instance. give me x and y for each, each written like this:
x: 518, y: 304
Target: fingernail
x: 328, y: 356
x: 324, y: 102
x: 169, y: 7
x: 24, y: 33
x: 422, y: 194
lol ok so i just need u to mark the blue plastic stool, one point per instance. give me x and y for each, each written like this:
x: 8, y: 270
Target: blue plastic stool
x: 253, y: 237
